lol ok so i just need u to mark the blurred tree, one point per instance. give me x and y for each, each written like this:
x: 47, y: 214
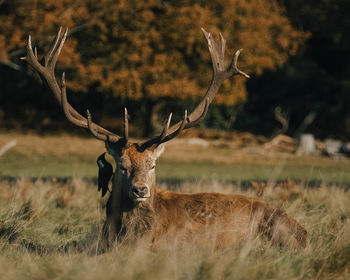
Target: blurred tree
x: 315, y: 81
x: 145, y: 51
x: 154, y: 49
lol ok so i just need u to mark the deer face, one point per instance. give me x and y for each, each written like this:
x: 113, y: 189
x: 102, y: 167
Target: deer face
x: 136, y: 171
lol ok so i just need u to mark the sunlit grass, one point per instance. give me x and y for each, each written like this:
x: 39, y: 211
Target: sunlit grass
x: 50, y: 230
x: 66, y: 156
x: 69, y: 165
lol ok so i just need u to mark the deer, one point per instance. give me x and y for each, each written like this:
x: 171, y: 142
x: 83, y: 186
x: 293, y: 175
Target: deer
x: 136, y: 208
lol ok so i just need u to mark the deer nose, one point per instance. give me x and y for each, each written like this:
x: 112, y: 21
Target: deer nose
x: 141, y: 190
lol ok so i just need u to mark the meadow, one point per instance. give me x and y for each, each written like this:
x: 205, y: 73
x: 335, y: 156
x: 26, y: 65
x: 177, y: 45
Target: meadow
x: 50, y: 228
x: 65, y: 156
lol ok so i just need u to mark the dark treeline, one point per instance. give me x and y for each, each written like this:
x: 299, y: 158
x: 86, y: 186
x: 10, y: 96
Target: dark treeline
x: 151, y: 57
x: 315, y: 83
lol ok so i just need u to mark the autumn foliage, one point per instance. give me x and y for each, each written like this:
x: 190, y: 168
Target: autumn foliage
x: 150, y: 49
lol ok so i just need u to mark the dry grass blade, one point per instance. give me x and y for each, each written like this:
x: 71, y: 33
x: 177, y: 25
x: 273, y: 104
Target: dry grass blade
x: 7, y: 147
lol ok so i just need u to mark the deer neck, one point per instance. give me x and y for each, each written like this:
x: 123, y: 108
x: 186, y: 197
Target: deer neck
x: 133, y: 219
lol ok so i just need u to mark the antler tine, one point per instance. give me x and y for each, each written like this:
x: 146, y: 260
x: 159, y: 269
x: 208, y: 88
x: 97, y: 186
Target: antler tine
x: 223, y: 45
x: 234, y: 68
x: 65, y: 105
x: 57, y: 51
x: 98, y: 135
x: 53, y: 46
x: 165, y: 129
x: 126, y: 126
x: 31, y: 57
x: 165, y: 136
x: 220, y: 73
x: 177, y: 131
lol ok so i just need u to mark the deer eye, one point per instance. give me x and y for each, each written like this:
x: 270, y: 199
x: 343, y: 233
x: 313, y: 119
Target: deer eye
x: 153, y: 167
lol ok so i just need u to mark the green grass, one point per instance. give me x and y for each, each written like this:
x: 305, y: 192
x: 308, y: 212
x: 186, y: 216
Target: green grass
x: 242, y: 172
x: 15, y: 164
x: 67, y: 156
x: 50, y: 231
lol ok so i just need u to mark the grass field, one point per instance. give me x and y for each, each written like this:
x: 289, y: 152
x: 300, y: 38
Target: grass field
x: 66, y: 156
x: 50, y: 229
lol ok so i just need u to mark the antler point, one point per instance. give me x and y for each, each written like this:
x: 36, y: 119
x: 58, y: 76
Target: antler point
x: 169, y: 119
x: 29, y: 41
x: 64, y: 82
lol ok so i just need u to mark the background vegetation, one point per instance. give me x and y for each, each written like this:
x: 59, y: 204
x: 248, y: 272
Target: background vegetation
x: 141, y: 54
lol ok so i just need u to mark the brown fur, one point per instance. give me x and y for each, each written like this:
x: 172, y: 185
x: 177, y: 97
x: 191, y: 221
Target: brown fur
x: 228, y: 218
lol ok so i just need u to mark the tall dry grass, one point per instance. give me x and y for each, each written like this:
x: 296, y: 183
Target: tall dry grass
x: 52, y: 231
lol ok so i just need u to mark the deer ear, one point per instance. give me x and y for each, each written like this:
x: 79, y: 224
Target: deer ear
x: 159, y: 150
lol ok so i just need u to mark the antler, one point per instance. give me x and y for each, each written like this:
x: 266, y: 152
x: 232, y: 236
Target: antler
x: 46, y: 69
x: 220, y: 73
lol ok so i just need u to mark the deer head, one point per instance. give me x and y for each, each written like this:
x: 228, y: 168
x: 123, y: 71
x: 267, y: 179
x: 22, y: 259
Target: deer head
x: 135, y: 161
x: 135, y: 172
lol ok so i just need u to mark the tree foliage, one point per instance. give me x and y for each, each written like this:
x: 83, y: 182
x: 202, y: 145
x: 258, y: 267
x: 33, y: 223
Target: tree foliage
x: 150, y: 49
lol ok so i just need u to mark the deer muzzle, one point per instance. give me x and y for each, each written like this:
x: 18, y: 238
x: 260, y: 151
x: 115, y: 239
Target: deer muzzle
x: 140, y: 191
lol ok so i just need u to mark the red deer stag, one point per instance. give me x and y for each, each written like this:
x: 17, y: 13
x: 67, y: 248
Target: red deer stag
x: 136, y: 207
